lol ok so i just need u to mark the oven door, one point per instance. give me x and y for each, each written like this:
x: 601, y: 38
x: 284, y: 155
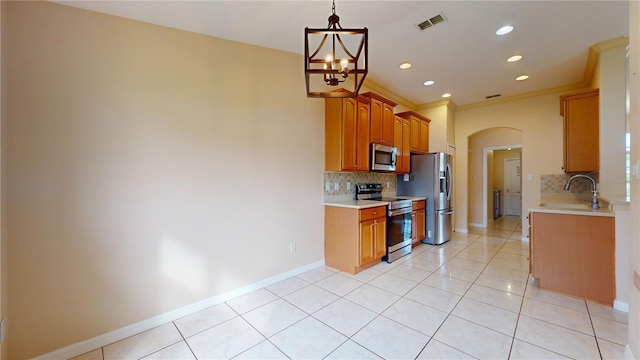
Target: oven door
x: 398, y: 229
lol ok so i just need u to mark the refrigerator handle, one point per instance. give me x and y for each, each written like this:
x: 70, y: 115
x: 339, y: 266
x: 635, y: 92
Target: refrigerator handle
x: 447, y: 212
x: 449, y: 181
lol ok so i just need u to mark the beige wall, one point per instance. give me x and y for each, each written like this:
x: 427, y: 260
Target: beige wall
x: 441, y: 127
x: 477, y: 188
x: 541, y: 124
x: 634, y: 253
x: 147, y: 169
x: 612, y: 86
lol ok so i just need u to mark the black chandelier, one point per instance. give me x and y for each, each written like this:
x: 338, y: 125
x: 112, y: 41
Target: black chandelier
x: 332, y: 62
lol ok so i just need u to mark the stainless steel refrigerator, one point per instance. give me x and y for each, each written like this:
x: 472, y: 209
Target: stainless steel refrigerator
x: 432, y: 176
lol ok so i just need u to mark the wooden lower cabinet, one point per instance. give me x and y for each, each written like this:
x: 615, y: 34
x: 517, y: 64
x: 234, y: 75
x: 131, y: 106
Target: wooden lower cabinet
x: 354, y: 239
x: 574, y: 254
x: 418, y: 222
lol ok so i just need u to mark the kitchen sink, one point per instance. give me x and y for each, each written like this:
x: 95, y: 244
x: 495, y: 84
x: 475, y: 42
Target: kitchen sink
x: 565, y: 206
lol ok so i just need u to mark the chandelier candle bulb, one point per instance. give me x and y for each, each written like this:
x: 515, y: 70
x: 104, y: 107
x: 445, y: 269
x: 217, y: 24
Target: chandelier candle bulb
x: 344, y: 63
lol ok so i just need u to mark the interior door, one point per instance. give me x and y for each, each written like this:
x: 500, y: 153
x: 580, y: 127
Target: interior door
x: 512, y: 184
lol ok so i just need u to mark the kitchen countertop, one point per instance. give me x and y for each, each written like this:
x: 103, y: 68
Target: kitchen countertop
x: 555, y: 206
x: 364, y: 204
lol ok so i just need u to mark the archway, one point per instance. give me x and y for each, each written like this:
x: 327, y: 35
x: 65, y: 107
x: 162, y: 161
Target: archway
x: 482, y: 146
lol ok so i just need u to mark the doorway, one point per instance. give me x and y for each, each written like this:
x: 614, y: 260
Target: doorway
x: 512, y: 186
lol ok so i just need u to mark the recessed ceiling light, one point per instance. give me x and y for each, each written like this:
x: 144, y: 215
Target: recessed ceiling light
x: 504, y: 30
x: 514, y: 58
x: 446, y: 95
x: 522, y: 77
x: 429, y: 83
x: 405, y: 65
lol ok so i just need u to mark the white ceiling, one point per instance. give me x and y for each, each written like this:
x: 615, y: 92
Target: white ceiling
x: 462, y: 55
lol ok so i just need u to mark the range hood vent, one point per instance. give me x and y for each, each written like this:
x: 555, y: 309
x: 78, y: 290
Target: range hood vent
x: 492, y: 96
x: 432, y: 21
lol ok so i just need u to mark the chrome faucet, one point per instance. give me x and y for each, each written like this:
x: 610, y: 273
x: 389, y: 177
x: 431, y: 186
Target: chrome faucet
x: 594, y: 201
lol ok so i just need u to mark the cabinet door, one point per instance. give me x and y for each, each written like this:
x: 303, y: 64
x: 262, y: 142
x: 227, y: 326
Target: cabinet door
x: 406, y: 146
x: 415, y: 134
x: 362, y: 137
x: 366, y: 251
x: 420, y: 228
x: 380, y: 238
x: 388, y: 129
x: 377, y: 109
x: 414, y: 227
x: 397, y: 142
x: 349, y: 134
x: 581, y: 132
x: 424, y: 137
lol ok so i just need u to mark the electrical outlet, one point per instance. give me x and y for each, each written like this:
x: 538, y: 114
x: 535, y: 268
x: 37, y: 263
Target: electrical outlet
x: 336, y: 186
x: 348, y: 185
x: 292, y: 247
x: 327, y: 186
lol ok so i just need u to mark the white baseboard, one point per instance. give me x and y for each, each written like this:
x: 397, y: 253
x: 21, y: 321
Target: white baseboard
x: 478, y: 225
x: 144, y: 325
x: 462, y: 230
x: 628, y: 354
x: 621, y: 306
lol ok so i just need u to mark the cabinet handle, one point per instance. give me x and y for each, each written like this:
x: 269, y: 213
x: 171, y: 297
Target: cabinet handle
x: 375, y: 213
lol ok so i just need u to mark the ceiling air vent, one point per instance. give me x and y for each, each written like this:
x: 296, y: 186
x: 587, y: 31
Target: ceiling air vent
x: 432, y: 21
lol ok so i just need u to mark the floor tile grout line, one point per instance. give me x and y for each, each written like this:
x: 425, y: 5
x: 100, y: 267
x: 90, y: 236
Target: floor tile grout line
x: 183, y: 339
x: 450, y: 313
x: 595, y: 335
x: 515, y: 329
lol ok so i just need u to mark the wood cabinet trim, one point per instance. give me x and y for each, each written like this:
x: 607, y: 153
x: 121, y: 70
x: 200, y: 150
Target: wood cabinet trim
x: 409, y: 114
x: 379, y: 97
x: 574, y: 96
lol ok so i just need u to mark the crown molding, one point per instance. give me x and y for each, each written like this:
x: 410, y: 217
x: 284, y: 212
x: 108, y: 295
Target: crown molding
x: 594, y: 55
x: 381, y: 90
x: 558, y: 89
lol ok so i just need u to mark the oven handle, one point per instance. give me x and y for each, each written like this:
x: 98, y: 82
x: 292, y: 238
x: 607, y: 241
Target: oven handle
x: 395, y: 212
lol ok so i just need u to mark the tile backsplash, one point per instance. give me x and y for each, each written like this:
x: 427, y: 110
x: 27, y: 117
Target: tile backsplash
x: 551, y: 185
x: 388, y: 182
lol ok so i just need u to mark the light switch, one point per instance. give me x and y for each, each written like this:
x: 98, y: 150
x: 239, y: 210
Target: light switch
x: 406, y: 177
x: 529, y: 177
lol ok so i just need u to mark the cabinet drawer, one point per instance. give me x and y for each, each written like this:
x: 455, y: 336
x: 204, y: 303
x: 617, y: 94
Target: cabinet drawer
x: 373, y: 213
x: 418, y: 205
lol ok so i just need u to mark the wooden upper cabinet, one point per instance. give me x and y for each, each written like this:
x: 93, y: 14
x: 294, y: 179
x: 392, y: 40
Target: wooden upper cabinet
x: 419, y: 131
x: 581, y: 125
x: 402, y: 141
x: 347, y: 134
x: 382, y: 128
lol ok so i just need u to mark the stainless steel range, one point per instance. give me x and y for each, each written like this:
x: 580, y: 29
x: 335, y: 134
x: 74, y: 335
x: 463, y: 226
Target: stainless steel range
x: 398, y: 220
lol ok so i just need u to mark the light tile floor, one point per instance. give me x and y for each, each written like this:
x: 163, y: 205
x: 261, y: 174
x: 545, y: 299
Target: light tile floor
x: 468, y: 298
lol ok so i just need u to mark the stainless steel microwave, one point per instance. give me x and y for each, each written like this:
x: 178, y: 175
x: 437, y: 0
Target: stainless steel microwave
x: 383, y: 158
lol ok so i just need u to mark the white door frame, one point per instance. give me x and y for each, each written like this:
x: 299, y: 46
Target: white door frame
x: 485, y: 154
x: 504, y: 191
